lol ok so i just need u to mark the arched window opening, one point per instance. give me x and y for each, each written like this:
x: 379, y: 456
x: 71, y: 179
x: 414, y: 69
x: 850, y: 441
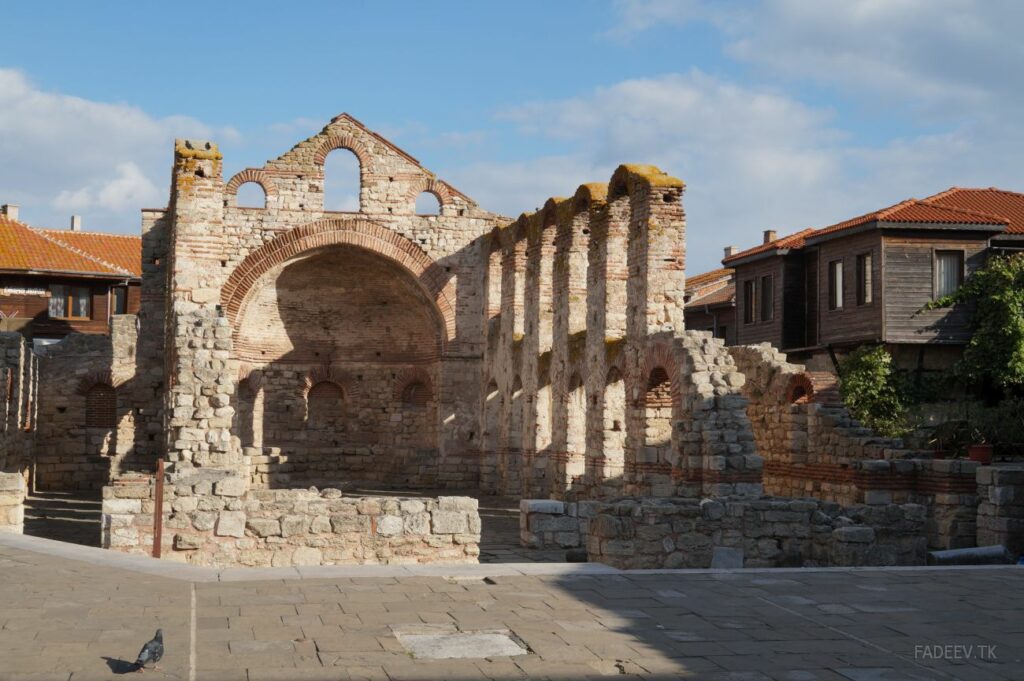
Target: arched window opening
x: 251, y: 195
x: 494, y: 285
x: 325, y: 404
x: 415, y: 395
x: 658, y: 408
x: 101, y: 407
x: 341, y: 181
x: 427, y: 203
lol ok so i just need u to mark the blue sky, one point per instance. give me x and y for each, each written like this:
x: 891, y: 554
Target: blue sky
x: 778, y: 115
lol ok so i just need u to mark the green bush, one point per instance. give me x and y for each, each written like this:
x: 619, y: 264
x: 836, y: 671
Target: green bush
x: 869, y: 388
x: 995, y: 353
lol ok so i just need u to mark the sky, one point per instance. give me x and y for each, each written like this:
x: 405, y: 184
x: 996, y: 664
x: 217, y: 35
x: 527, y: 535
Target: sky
x: 777, y: 115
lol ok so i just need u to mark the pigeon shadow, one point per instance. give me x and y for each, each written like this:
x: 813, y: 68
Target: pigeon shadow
x: 118, y: 666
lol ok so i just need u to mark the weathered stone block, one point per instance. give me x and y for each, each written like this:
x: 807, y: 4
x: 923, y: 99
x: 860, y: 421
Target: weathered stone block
x: 230, y: 524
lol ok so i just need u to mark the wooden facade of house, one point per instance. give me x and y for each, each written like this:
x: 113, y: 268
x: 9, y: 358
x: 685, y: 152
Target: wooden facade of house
x: 867, y: 280
x: 56, y: 282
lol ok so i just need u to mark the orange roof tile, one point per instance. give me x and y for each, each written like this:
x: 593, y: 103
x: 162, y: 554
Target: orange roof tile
x: 915, y: 210
x: 792, y: 241
x: 25, y: 249
x: 123, y: 251
x: 726, y: 294
x: 1009, y: 205
x: 704, y: 278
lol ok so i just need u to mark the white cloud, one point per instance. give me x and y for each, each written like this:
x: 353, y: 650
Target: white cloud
x: 127, y: 190
x: 63, y: 153
x: 753, y: 158
x: 940, y: 58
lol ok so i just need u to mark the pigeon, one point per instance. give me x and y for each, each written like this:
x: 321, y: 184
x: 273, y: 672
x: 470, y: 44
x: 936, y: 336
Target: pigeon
x: 151, y: 652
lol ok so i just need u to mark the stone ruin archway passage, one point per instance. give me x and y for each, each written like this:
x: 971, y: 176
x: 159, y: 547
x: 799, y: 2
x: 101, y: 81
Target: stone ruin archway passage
x: 334, y: 334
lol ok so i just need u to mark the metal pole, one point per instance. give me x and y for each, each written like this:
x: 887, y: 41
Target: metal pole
x: 158, y: 509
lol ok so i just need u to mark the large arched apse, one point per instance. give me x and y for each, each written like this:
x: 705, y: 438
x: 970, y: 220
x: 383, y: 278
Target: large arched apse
x: 336, y: 333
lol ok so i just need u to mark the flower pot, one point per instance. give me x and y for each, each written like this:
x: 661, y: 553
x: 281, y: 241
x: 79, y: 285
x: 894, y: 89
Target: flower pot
x: 980, y: 453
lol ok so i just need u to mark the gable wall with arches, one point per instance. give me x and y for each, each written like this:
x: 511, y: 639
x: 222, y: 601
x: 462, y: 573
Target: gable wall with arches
x: 382, y: 301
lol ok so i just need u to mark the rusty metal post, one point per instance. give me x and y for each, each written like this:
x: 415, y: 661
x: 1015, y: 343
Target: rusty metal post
x: 158, y: 510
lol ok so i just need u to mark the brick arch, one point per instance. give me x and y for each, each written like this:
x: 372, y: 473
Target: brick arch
x: 410, y: 376
x: 434, y: 186
x: 357, y: 232
x: 659, y: 356
x: 94, y: 378
x: 344, y: 141
x: 329, y: 374
x: 256, y: 175
x: 800, y: 389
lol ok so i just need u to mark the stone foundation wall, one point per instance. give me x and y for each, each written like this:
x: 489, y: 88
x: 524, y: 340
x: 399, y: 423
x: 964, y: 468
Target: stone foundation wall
x: 221, y: 525
x: 643, y: 533
x: 683, y: 533
x: 12, y: 502
x: 1001, y: 511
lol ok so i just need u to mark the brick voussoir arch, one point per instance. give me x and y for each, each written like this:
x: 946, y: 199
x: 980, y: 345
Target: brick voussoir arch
x: 659, y: 355
x: 256, y: 175
x: 357, y: 232
x: 344, y: 141
x: 434, y: 186
x: 410, y: 376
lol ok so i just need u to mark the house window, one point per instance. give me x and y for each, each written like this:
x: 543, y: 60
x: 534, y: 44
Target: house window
x: 864, y: 283
x: 767, y: 298
x: 120, y: 300
x: 835, y: 285
x: 69, y: 302
x: 748, y: 301
x: 722, y: 331
x: 949, y: 272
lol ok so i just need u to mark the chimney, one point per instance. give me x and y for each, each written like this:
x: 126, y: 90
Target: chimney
x: 10, y: 210
x: 731, y: 251
x: 76, y: 223
x: 770, y: 235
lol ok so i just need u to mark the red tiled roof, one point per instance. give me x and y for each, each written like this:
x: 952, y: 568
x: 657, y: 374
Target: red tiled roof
x: 726, y: 294
x: 25, y: 249
x: 915, y: 210
x: 122, y: 251
x: 792, y: 241
x: 704, y: 278
x: 1009, y: 205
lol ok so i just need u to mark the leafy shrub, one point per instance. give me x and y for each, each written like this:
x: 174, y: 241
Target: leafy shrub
x: 869, y: 388
x: 995, y: 353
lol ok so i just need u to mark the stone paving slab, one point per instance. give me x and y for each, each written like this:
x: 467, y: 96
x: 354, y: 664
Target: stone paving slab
x: 63, y: 618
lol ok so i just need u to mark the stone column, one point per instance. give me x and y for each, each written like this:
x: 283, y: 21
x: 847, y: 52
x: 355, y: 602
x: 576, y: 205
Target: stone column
x: 202, y: 373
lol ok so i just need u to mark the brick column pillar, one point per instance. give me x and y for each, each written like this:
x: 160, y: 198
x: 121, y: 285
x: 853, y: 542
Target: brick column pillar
x: 202, y: 372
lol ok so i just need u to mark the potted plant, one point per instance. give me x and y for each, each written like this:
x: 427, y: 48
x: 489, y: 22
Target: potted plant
x: 979, y: 449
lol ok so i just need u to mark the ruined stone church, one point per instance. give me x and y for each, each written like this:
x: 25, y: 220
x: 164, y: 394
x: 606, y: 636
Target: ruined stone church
x: 546, y: 357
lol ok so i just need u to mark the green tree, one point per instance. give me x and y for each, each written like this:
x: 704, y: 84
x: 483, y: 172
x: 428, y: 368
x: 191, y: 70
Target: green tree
x: 995, y: 353
x: 868, y: 386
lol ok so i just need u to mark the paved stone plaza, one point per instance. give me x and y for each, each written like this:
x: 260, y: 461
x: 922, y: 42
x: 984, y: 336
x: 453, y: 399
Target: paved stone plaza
x: 81, y: 613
